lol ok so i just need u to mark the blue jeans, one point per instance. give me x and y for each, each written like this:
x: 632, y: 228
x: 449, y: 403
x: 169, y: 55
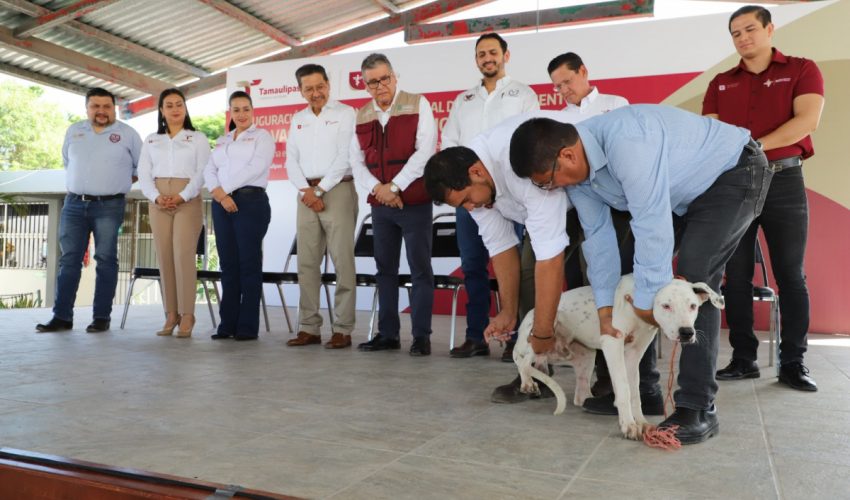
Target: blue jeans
x: 239, y: 240
x: 476, y: 278
x: 413, y: 224
x: 78, y: 220
x: 710, y: 231
x: 785, y: 221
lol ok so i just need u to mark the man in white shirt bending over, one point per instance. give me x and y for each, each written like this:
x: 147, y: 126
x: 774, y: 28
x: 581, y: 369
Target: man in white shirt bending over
x: 317, y: 163
x: 495, y: 98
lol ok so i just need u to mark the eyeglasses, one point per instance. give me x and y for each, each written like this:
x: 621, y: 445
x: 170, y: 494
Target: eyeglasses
x: 550, y: 185
x: 384, y: 80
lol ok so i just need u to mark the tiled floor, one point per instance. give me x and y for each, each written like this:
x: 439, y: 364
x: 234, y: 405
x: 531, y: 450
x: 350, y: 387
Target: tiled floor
x: 345, y: 424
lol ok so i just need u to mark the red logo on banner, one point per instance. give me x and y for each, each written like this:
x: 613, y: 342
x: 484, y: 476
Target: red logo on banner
x: 246, y: 85
x: 114, y: 137
x: 356, y: 81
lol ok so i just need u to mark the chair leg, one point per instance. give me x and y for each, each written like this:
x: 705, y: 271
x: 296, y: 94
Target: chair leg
x: 777, y: 332
x: 265, y: 310
x: 455, y: 292
x: 127, y: 301
x: 209, y: 302
x: 330, y: 305
x: 285, y: 309
x: 372, y: 317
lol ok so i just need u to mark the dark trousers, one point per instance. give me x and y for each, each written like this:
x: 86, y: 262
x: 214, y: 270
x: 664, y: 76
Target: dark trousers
x: 412, y: 224
x: 710, y: 231
x: 785, y: 221
x: 476, y: 278
x: 239, y: 240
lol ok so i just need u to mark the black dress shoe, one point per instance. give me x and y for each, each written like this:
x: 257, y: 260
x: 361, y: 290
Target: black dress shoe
x: 510, y: 393
x: 508, y: 353
x: 421, y: 346
x: 739, y: 369
x: 221, y: 335
x: 240, y: 338
x: 471, y: 348
x: 98, y: 325
x: 695, y: 426
x: 380, y: 343
x: 602, y: 387
x: 54, y: 325
x: 796, y: 376
x: 651, y: 403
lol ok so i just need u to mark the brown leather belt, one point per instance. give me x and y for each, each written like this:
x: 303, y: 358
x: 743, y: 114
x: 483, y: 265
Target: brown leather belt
x: 315, y: 182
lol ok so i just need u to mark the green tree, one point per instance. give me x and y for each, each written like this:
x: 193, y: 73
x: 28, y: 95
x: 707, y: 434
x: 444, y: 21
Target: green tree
x: 31, y: 129
x: 211, y: 125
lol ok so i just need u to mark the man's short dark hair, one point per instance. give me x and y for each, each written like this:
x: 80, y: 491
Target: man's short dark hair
x: 448, y: 170
x: 569, y: 59
x: 99, y: 92
x: 761, y: 13
x: 310, y: 69
x: 493, y: 36
x: 536, y: 143
x: 373, y: 60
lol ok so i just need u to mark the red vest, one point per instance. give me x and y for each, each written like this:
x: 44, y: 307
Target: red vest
x: 387, y: 149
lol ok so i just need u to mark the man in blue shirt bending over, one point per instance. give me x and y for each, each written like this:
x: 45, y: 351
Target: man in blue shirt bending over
x: 652, y: 161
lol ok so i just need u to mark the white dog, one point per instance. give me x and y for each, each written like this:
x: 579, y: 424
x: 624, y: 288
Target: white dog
x: 577, y: 337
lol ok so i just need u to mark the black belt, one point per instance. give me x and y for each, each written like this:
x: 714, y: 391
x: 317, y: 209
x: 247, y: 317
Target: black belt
x: 783, y: 163
x: 94, y: 197
x: 248, y: 190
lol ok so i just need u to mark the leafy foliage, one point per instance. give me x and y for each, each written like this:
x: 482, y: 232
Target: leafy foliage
x: 31, y: 129
x: 211, y: 125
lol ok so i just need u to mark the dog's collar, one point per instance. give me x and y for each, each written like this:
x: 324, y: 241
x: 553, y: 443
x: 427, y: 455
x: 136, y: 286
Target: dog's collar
x: 679, y: 277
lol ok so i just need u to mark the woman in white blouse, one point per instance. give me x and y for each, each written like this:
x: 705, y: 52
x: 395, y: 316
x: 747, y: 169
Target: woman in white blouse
x: 171, y: 170
x: 236, y: 176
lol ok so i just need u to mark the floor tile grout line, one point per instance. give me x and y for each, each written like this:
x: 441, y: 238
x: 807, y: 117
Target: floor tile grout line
x: 583, y: 466
x: 768, y: 448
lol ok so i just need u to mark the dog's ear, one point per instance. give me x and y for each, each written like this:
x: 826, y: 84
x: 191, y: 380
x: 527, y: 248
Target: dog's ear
x: 704, y: 292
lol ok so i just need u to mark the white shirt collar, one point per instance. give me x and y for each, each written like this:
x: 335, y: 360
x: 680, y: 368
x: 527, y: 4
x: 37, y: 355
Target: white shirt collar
x: 586, y: 101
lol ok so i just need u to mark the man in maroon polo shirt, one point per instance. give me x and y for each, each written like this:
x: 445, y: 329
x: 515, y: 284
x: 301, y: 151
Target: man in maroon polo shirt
x: 779, y: 99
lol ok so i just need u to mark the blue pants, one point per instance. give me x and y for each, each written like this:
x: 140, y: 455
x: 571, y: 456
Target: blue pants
x: 476, y: 278
x: 412, y: 224
x: 710, y: 231
x: 239, y: 240
x: 78, y: 220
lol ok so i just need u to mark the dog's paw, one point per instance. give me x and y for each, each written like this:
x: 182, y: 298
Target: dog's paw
x: 632, y: 430
x: 530, y: 388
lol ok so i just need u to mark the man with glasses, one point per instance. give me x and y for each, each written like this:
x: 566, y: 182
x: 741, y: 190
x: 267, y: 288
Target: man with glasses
x: 495, y: 98
x: 395, y: 134
x: 317, y: 152
x: 652, y: 160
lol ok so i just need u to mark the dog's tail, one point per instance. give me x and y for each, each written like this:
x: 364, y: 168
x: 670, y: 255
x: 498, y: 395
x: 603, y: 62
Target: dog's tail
x: 560, y: 397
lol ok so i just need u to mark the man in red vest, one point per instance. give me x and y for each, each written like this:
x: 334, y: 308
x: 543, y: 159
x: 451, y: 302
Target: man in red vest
x: 395, y: 134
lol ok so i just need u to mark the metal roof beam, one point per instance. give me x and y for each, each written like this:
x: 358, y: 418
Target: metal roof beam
x: 547, y: 18
x: 39, y: 78
x: 345, y: 39
x: 114, y: 42
x: 76, y: 61
x: 230, y: 10
x: 57, y: 17
x: 388, y: 7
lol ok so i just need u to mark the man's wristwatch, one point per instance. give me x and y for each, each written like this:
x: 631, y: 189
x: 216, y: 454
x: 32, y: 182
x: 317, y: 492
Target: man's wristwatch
x: 318, y: 192
x: 393, y: 188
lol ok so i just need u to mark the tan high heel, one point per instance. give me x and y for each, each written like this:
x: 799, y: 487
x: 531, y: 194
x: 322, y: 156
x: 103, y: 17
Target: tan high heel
x: 183, y: 334
x: 169, y: 329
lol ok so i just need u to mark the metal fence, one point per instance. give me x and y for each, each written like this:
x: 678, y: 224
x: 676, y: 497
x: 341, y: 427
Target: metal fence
x: 23, y: 235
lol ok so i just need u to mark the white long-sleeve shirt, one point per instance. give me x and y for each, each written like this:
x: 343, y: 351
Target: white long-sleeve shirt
x: 183, y: 156
x: 242, y: 162
x: 544, y: 213
x: 476, y: 110
x: 594, y: 104
x: 318, y: 146
x: 426, y: 145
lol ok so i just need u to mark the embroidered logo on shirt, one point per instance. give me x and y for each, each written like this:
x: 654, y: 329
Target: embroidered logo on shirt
x: 513, y: 92
x: 469, y: 97
x: 405, y: 107
x: 114, y: 138
x: 768, y: 83
x: 331, y: 122
x: 721, y: 88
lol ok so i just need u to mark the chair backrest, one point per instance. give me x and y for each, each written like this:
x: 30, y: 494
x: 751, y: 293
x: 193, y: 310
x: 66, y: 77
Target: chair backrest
x: 364, y: 245
x: 444, y: 238
x: 293, y: 250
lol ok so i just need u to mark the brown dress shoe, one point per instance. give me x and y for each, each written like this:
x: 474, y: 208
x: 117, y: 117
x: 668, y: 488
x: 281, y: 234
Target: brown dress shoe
x: 304, y: 338
x: 338, y: 341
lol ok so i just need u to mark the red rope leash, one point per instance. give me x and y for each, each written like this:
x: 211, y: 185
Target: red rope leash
x: 665, y: 439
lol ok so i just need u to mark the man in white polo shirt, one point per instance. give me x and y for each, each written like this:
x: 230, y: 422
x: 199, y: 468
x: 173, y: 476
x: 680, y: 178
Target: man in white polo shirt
x: 317, y: 164
x: 495, y: 98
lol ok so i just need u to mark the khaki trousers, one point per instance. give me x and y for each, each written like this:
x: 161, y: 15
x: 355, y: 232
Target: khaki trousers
x: 175, y: 235
x: 332, y: 228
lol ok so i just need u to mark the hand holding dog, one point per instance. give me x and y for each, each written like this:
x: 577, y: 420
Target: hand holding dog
x: 644, y: 314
